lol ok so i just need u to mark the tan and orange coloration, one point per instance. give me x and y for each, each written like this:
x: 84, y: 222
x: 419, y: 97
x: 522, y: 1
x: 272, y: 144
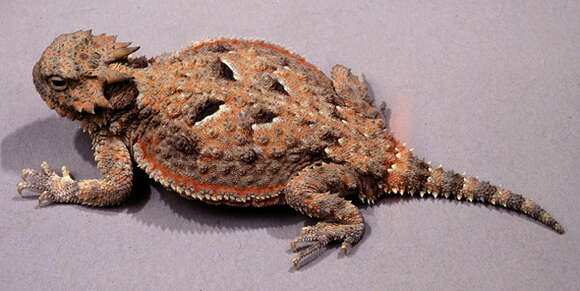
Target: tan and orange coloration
x: 240, y: 123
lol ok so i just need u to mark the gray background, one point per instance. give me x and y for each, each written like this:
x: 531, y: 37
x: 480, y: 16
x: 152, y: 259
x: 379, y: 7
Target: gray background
x: 488, y: 88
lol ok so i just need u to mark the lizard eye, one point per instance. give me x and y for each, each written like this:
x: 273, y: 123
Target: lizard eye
x: 57, y: 83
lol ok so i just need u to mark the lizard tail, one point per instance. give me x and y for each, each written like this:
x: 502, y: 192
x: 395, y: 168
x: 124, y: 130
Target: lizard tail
x: 408, y: 174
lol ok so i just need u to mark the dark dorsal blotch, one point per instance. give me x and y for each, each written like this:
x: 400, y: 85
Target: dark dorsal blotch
x: 206, y: 109
x: 263, y: 116
x: 279, y: 88
x: 225, y: 72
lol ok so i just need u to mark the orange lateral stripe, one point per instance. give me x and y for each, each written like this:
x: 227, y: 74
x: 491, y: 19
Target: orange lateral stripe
x: 198, y: 185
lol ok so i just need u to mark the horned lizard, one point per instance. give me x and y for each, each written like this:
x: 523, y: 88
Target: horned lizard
x: 240, y: 123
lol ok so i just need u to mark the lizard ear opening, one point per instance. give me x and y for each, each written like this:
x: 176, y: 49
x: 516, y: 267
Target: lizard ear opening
x: 120, y: 94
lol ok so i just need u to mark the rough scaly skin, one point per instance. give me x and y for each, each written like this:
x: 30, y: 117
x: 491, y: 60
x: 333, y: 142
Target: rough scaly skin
x: 240, y: 123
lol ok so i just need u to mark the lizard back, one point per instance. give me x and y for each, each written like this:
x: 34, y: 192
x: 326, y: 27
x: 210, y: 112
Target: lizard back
x: 230, y: 121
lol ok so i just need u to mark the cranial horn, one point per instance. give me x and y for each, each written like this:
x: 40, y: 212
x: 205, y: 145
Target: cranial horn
x: 112, y: 76
x: 122, y: 44
x: 122, y: 52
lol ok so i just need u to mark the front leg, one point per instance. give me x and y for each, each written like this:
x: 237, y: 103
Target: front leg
x: 114, y: 161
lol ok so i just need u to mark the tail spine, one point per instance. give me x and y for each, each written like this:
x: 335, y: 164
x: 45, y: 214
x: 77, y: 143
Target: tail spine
x: 408, y: 174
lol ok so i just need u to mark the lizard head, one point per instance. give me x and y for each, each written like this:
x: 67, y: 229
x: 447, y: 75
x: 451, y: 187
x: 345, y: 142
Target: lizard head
x: 74, y: 70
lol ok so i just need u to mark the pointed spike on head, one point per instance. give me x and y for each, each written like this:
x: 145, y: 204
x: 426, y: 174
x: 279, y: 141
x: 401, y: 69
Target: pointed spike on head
x: 112, y: 76
x: 122, y: 44
x: 122, y: 52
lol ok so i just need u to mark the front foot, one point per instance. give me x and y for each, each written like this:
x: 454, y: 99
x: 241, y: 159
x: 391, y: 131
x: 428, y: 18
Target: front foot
x: 323, y: 233
x: 52, y: 187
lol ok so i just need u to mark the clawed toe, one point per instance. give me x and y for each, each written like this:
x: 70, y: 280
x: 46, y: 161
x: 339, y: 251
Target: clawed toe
x: 34, y: 180
x: 319, y: 236
x: 306, y: 251
x: 344, y: 247
x: 40, y: 181
x: 47, y: 169
x: 65, y: 172
x: 28, y: 173
x: 45, y: 196
x: 21, y: 186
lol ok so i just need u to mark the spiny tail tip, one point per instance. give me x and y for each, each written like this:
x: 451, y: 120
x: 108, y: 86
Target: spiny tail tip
x: 558, y: 228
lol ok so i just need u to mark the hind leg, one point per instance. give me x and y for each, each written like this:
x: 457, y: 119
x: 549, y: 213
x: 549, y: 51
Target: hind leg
x: 354, y: 91
x: 349, y: 86
x: 318, y: 191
